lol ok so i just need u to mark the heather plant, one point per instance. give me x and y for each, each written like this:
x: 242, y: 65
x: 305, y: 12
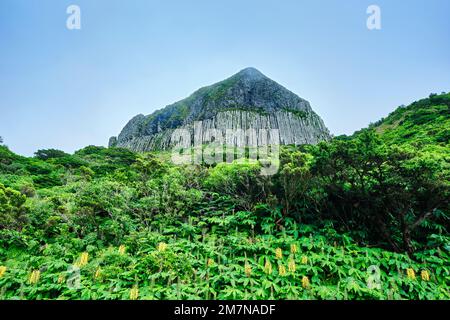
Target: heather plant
x: 360, y: 217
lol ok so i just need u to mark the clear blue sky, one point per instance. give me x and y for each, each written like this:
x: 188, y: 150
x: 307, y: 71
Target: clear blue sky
x: 68, y: 89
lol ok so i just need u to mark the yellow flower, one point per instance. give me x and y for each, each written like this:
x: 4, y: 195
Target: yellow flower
x: 268, y: 267
x: 2, y: 271
x: 162, y: 246
x: 305, y: 282
x: 291, y: 266
x: 293, y: 248
x: 134, y: 293
x: 98, y: 273
x: 210, y: 262
x: 248, y: 270
x: 34, y: 276
x: 281, y: 270
x: 410, y: 273
x: 122, y: 249
x: 83, y: 259
x: 425, y: 275
x: 304, y: 260
x: 61, y: 278
x: 278, y: 253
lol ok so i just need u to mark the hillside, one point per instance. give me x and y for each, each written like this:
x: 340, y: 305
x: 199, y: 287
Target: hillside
x: 246, y: 100
x: 360, y: 217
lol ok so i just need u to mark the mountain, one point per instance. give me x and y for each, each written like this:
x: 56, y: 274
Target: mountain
x: 247, y: 100
x: 424, y: 122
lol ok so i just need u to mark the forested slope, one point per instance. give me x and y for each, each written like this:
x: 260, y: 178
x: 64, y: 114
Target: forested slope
x: 360, y: 217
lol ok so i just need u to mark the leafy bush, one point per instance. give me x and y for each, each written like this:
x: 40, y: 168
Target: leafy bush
x: 242, y: 180
x: 46, y: 154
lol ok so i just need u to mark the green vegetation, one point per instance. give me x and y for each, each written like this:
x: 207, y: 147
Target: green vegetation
x: 235, y: 107
x: 425, y: 122
x: 218, y: 91
x: 170, y: 117
x: 298, y: 113
x: 360, y: 217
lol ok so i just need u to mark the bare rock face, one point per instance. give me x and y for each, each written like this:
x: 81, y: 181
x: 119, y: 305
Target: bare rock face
x: 247, y: 101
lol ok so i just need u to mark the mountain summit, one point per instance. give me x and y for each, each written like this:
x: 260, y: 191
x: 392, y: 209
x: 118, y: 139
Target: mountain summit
x: 246, y: 100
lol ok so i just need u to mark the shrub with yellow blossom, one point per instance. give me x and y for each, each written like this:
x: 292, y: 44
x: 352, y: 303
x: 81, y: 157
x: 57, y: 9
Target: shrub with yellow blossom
x: 294, y: 248
x: 282, y: 270
x: 61, y: 278
x: 425, y: 275
x: 122, y: 249
x: 162, y: 246
x: 2, y: 271
x: 305, y: 282
x: 34, y: 277
x: 83, y: 259
x: 248, y: 270
x: 278, y: 253
x: 410, y: 274
x: 134, y: 293
x: 304, y: 260
x: 268, y: 267
x: 98, y: 273
x: 291, y: 266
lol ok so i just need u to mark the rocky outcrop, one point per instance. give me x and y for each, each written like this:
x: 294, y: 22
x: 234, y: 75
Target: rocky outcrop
x: 112, y: 142
x: 248, y: 101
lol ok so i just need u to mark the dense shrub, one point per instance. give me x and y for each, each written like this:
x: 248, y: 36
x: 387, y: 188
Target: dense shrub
x: 241, y: 180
